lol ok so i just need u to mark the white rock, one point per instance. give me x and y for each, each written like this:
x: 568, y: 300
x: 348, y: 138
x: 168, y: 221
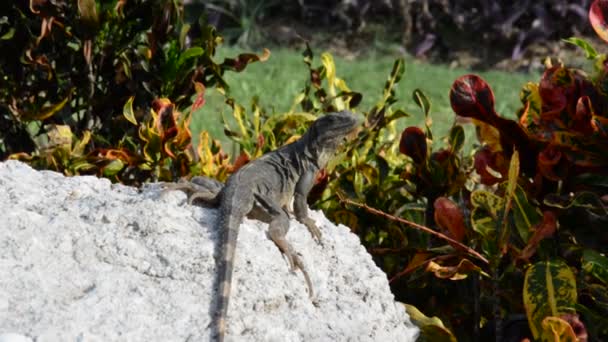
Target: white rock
x: 84, y: 260
x: 10, y: 337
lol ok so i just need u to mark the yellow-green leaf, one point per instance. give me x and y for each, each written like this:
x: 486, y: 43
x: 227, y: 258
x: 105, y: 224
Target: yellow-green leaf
x: 513, y: 175
x: 127, y: 111
x: 113, y: 167
x: 525, y: 215
x: 488, y: 201
x: 330, y: 71
x: 483, y: 223
x: 431, y: 328
x: 549, y: 290
x: 60, y: 136
x: 512, y: 180
x: 78, y: 148
x: 46, y: 112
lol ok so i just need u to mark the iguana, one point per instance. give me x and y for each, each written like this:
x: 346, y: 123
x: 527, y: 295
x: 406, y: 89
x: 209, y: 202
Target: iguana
x: 263, y: 189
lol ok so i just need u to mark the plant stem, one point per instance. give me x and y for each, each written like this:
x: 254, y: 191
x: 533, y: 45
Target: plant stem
x: 414, y: 225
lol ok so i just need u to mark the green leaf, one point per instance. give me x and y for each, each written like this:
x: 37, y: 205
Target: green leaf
x: 423, y: 102
x: 596, y: 264
x: 513, y: 175
x: 188, y: 54
x: 549, y: 290
x: 483, y: 223
x: 525, y: 215
x: 127, y: 111
x: 113, y: 168
x: 590, y: 52
x: 456, y: 138
x: 8, y: 35
x: 583, y: 199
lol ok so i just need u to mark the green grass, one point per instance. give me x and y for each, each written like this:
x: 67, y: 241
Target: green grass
x: 277, y: 81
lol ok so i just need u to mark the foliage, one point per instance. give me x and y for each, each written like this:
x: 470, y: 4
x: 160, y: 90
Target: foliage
x: 74, y: 69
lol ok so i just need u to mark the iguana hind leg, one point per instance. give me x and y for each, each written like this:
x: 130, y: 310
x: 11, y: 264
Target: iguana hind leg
x: 278, y: 226
x: 200, y: 188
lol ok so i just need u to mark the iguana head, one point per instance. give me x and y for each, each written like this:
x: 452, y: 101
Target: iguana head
x: 328, y: 132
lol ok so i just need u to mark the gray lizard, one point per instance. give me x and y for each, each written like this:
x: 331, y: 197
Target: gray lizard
x: 263, y: 189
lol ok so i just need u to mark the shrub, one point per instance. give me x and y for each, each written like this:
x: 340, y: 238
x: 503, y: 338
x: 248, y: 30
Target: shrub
x: 74, y: 68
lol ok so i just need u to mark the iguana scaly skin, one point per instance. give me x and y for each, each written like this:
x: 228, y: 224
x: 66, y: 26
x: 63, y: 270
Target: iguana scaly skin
x: 263, y: 189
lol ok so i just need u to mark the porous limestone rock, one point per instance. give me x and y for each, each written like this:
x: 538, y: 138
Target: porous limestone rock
x: 82, y: 259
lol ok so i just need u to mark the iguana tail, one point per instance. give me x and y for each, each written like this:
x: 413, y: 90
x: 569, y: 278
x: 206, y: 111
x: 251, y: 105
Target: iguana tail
x: 230, y: 217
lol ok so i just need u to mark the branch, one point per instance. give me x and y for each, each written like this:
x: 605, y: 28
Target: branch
x: 467, y: 249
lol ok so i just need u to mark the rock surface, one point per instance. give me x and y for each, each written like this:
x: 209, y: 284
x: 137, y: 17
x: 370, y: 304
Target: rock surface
x: 82, y: 259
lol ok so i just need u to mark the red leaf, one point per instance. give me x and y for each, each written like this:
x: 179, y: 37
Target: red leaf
x: 598, y: 12
x: 441, y: 155
x: 449, y: 218
x: 548, y: 160
x: 542, y: 231
x: 240, y: 161
x: 558, y: 92
x: 581, y: 122
x: 241, y: 61
x: 600, y: 125
x: 413, y: 144
x: 486, y: 160
x: 472, y: 97
x: 200, y: 97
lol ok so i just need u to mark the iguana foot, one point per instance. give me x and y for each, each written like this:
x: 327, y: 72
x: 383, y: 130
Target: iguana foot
x: 313, y: 229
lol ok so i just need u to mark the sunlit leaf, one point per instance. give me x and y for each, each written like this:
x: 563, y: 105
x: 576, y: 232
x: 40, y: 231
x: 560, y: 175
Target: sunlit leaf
x: 60, y: 136
x: 127, y: 111
x: 456, y: 272
x: 590, y: 52
x: 431, y: 328
x: 113, y: 167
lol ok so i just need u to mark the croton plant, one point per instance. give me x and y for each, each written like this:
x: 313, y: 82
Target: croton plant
x: 539, y: 212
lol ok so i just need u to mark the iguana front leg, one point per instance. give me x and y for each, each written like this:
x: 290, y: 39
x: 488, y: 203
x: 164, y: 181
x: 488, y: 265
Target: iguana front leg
x: 300, y: 207
x: 278, y: 226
